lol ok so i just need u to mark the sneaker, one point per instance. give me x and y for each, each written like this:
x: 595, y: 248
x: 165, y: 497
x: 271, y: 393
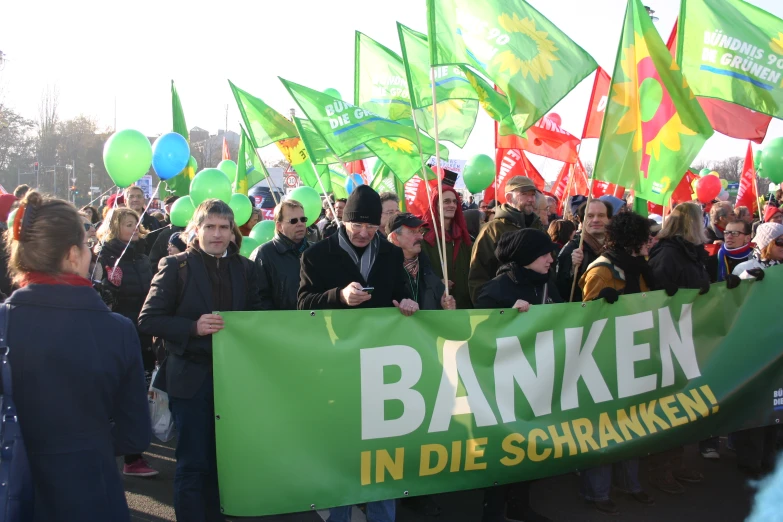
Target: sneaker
x: 643, y: 498
x: 139, y: 468
x: 710, y: 453
x: 688, y: 475
x: 667, y: 484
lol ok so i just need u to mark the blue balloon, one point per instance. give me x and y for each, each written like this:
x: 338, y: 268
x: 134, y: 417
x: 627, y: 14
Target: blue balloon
x: 170, y: 155
x: 353, y: 181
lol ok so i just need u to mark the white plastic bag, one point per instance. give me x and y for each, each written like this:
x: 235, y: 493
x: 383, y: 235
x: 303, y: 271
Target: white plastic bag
x: 162, y: 423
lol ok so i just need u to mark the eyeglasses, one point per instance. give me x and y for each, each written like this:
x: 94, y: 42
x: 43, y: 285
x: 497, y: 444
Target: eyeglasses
x: 88, y: 227
x: 294, y: 221
x: 733, y: 233
x: 390, y: 212
x: 363, y: 226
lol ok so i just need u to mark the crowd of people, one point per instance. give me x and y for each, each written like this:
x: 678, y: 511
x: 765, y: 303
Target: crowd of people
x: 128, y: 292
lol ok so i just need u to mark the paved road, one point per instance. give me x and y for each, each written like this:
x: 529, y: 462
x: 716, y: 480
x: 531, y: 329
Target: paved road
x: 723, y: 496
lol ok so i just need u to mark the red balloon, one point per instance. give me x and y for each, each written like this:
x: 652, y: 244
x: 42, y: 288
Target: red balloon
x: 537, y: 142
x: 555, y: 117
x: 708, y: 188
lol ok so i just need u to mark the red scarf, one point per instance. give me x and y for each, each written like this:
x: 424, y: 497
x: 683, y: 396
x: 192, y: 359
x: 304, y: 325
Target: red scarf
x: 459, y: 229
x: 63, y: 278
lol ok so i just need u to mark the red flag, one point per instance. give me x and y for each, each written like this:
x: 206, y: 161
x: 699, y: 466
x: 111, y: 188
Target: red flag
x: 581, y: 184
x: 545, y: 138
x: 357, y: 167
x: 598, y: 100
x: 602, y: 188
x: 510, y: 163
x: 561, y: 185
x: 746, y: 194
x: 654, y: 208
x: 226, y: 153
x: 684, y: 191
x: 729, y: 118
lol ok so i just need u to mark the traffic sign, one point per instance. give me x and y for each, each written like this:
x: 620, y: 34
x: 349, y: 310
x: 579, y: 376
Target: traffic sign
x: 291, y: 180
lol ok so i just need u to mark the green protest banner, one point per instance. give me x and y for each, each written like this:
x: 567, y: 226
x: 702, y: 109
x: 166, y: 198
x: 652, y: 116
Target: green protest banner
x: 331, y: 408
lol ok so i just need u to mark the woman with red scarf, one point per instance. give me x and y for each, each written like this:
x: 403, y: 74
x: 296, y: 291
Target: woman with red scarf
x: 77, y: 375
x: 458, y: 244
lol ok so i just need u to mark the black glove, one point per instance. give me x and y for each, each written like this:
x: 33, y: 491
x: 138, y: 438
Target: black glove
x: 670, y: 289
x: 705, y: 288
x: 732, y: 281
x: 608, y: 293
x: 758, y: 273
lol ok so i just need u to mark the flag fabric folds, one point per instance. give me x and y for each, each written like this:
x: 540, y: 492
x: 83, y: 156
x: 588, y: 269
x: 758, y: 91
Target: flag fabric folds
x: 250, y: 169
x: 747, y: 194
x: 597, y: 108
x: 545, y: 138
x: 179, y: 185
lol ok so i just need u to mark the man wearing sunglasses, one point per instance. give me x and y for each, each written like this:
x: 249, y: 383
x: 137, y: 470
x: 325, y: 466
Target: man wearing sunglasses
x: 278, y: 260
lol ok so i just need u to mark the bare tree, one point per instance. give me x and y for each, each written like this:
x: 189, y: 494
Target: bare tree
x: 17, y: 146
x: 48, y: 118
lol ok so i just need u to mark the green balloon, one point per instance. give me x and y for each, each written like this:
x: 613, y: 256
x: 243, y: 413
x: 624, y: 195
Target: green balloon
x: 704, y: 172
x: 182, y: 211
x: 127, y: 157
x: 248, y: 245
x: 479, y: 173
x: 10, y: 221
x: 229, y: 168
x: 310, y: 200
x: 334, y: 93
x: 210, y: 184
x: 772, y: 161
x: 193, y: 164
x: 263, y: 231
x: 757, y: 159
x: 242, y: 208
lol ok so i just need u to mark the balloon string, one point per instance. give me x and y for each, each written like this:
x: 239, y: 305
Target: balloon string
x: 108, y: 216
x: 99, y: 197
x: 138, y: 224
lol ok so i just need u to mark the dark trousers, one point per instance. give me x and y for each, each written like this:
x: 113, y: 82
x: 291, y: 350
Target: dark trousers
x: 756, y: 448
x: 148, y: 359
x: 196, y: 497
x: 511, y: 499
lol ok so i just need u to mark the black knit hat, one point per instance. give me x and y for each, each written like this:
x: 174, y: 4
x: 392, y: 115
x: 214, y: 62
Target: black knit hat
x: 523, y: 246
x: 363, y: 206
x: 176, y: 241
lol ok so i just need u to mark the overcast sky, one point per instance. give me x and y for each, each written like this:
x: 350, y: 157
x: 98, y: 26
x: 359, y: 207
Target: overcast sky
x: 96, y: 51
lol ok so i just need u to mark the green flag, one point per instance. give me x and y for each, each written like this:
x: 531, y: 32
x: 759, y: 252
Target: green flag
x: 380, y: 85
x: 457, y: 108
x: 384, y: 180
x: 532, y: 61
x: 653, y: 127
x: 733, y: 51
x: 250, y: 170
x: 319, y: 151
x: 180, y: 184
x: 264, y: 124
x: 343, y: 126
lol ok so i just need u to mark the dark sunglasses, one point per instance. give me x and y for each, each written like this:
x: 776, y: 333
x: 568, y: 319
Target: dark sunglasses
x: 293, y: 221
x: 779, y: 242
x: 88, y: 227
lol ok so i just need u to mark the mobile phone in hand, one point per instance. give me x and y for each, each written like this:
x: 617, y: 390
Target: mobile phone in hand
x: 368, y: 289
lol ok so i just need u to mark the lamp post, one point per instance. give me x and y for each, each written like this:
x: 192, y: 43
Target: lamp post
x: 70, y: 168
x: 91, y: 166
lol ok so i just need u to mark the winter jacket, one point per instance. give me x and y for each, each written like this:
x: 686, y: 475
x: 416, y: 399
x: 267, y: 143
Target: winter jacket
x: 565, y: 278
x: 79, y: 388
x: 741, y: 269
x: 278, y: 264
x: 713, y: 233
x: 430, y: 286
x: 483, y: 263
x: 458, y: 269
x: 327, y: 269
x: 517, y: 283
x: 677, y: 263
x: 605, y: 273
x: 181, y: 292
x: 130, y: 282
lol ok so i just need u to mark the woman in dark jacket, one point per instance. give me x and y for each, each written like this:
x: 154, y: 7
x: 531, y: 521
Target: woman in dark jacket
x: 77, y: 373
x: 523, y: 280
x: 678, y: 261
x: 127, y: 276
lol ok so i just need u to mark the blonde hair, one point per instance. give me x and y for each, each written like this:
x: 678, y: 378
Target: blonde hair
x: 110, y: 228
x: 49, y: 228
x: 685, y: 222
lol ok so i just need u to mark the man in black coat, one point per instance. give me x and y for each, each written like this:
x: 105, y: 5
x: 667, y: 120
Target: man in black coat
x: 278, y: 260
x: 160, y: 239
x: 209, y: 276
x: 594, y: 220
x: 355, y: 268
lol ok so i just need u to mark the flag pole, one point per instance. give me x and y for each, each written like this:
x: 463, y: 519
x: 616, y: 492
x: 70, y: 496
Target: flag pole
x: 326, y: 194
x: 269, y: 181
x: 568, y: 189
x: 429, y: 192
x: 581, y: 238
x: 440, y: 180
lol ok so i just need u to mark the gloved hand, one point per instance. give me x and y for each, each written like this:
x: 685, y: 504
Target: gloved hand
x: 704, y: 289
x: 732, y: 281
x: 670, y: 290
x: 609, y: 294
x: 758, y: 273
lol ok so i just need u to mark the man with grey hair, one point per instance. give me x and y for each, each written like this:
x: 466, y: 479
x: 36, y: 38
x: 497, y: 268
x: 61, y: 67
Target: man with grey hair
x: 517, y: 213
x: 188, y: 288
x: 542, y: 209
x: 721, y: 214
x: 278, y: 260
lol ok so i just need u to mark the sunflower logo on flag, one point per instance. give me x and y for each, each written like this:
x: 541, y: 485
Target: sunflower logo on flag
x: 777, y: 44
x: 398, y: 144
x: 539, y: 65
